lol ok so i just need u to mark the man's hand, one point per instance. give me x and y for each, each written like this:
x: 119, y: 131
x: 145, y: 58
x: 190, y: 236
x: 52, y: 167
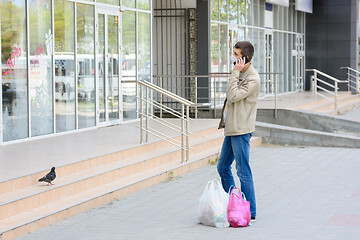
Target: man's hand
x: 240, y: 64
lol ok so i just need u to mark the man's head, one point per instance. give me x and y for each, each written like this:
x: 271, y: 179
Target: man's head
x: 243, y: 48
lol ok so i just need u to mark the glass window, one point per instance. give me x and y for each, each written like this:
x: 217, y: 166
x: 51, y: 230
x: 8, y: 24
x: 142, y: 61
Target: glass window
x: 85, y: 65
x: 290, y: 20
x: 113, y: 67
x: 143, y: 4
x: 14, y: 71
x: 283, y: 23
x: 128, y: 64
x: 255, y: 13
x: 242, y: 34
x: 215, y: 10
x: 300, y: 22
x: 242, y: 12
x: 233, y: 11
x: 224, y: 43
x: 101, y: 59
x: 249, y: 12
x: 223, y: 10
x: 260, y: 52
x: 144, y: 36
x: 262, y: 13
x: 129, y: 3
x: 64, y: 66
x: 112, y: 2
x: 214, y: 47
x: 41, y: 82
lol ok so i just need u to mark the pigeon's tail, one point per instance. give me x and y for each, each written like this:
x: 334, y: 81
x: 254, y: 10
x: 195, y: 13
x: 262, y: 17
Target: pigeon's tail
x: 42, y: 179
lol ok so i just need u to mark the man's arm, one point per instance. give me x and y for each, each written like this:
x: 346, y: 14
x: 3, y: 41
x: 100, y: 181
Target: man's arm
x: 235, y: 93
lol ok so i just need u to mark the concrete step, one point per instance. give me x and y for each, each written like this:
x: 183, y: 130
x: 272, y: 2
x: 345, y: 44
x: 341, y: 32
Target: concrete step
x: 56, y: 210
x: 346, y: 101
x: 347, y: 105
x: 321, y: 102
x: 36, y: 195
x: 342, y: 102
x: 83, y: 164
x: 280, y: 135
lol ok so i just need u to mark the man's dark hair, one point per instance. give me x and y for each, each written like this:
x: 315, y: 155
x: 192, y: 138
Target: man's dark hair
x: 246, y: 49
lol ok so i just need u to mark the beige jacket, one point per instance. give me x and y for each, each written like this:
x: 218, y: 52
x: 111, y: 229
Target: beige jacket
x: 242, y: 94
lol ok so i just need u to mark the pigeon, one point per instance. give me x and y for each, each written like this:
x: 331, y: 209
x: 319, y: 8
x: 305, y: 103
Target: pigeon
x: 49, y: 177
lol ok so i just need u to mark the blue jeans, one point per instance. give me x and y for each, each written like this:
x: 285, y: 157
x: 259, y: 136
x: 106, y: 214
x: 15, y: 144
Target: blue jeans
x: 237, y: 147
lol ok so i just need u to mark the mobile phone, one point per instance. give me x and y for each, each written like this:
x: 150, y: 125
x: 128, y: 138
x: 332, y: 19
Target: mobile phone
x: 246, y: 60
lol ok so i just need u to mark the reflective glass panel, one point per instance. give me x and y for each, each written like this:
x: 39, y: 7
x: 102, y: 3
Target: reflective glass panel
x: 41, y: 82
x: 255, y: 13
x: 128, y: 3
x: 223, y: 10
x: 233, y: 11
x: 13, y: 70
x: 85, y: 65
x: 215, y: 10
x: 64, y: 66
x: 143, y: 4
x: 249, y: 12
x: 224, y: 47
x: 113, y: 67
x: 101, y: 66
x: 214, y: 47
x: 242, y: 12
x: 128, y: 64
x: 144, y: 46
x: 112, y: 2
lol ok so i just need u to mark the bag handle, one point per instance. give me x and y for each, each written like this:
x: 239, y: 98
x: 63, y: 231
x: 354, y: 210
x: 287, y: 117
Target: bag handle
x: 230, y: 189
x: 242, y: 194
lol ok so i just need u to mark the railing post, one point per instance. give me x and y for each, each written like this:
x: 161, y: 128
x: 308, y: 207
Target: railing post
x: 315, y: 81
x: 357, y: 82
x: 147, y: 116
x: 336, y: 93
x: 196, y: 97
x: 276, y: 90
x: 182, y: 133
x: 349, y: 78
x: 141, y: 114
x: 161, y: 97
x: 187, y: 132
x: 214, y: 96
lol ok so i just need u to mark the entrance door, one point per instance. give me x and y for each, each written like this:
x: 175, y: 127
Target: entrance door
x: 269, y: 78
x: 109, y: 100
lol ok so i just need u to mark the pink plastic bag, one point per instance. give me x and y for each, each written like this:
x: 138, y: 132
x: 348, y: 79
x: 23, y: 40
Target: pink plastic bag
x: 238, y: 211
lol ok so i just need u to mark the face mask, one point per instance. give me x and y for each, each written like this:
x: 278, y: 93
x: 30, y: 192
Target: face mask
x: 233, y: 59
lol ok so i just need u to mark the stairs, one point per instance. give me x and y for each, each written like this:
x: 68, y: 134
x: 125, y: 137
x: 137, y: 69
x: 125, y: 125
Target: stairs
x: 26, y: 205
x: 346, y: 101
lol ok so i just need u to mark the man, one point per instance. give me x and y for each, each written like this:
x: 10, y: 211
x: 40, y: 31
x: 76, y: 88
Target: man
x: 239, y: 115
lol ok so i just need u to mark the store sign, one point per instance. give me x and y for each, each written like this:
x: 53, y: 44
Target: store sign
x: 284, y: 3
x: 304, y: 5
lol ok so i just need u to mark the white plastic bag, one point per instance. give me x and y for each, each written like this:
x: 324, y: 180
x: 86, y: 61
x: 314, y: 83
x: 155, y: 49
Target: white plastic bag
x: 213, y: 205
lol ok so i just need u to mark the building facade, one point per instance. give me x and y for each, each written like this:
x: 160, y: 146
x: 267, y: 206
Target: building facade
x: 277, y: 31
x: 69, y: 65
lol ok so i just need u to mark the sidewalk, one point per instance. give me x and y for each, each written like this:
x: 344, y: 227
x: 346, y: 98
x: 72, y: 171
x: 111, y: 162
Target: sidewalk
x: 302, y: 193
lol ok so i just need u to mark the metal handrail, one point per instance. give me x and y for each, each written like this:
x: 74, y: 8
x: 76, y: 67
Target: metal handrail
x: 214, y: 100
x: 183, y: 144
x: 335, y: 86
x: 166, y: 93
x: 350, y: 75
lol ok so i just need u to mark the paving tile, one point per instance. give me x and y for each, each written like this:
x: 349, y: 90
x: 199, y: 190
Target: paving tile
x: 297, y: 192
